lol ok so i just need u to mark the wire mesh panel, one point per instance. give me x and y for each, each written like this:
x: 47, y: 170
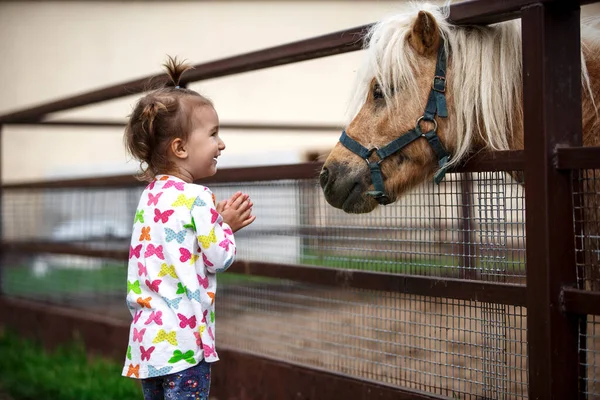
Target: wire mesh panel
x: 471, y: 227
x: 586, y: 217
x: 589, y: 350
x: 450, y: 347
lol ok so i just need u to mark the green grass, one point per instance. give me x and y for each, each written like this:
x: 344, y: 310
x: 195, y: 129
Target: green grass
x: 22, y: 280
x: 28, y: 372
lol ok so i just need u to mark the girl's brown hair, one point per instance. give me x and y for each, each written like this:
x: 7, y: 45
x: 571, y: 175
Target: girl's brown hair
x: 158, y: 118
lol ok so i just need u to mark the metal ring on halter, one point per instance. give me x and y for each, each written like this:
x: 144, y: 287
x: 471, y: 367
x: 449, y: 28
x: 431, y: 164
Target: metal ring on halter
x: 422, y: 118
x: 371, y: 151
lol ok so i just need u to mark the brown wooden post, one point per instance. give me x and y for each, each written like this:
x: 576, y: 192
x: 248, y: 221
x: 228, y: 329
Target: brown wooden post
x: 2, y: 258
x: 552, y: 107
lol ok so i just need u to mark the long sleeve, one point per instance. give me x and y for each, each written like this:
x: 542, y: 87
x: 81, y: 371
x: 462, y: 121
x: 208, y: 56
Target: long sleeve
x: 215, y: 238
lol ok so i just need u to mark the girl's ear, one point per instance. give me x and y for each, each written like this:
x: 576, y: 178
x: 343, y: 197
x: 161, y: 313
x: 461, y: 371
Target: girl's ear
x: 178, y: 148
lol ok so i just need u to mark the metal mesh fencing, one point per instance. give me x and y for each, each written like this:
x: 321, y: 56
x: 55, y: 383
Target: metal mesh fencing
x: 586, y: 216
x: 471, y: 226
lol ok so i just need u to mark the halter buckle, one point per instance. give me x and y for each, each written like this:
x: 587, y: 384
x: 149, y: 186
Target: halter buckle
x: 422, y: 118
x: 439, y: 84
x: 370, y: 153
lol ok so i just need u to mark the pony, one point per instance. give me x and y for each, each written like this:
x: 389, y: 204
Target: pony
x: 481, y: 99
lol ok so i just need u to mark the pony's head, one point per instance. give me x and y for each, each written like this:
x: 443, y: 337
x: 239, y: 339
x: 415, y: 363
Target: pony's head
x: 397, y: 82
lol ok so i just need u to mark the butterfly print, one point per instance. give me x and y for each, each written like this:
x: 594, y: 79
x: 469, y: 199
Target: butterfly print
x: 206, y: 262
x: 153, y: 199
x: 202, y: 281
x: 175, y: 184
x: 138, y: 335
x: 209, y: 351
x: 198, y: 339
x: 134, y: 287
x: 146, y: 354
x: 145, y: 235
x: 162, y: 216
x: 144, y: 302
x: 205, y: 241
x: 137, y: 316
x: 212, y: 297
x: 190, y: 202
x: 225, y: 244
x: 178, y: 356
x: 156, y: 317
x: 181, y: 289
x: 154, y: 372
x: 129, y: 353
x: 167, y: 270
x: 170, y: 337
x: 171, y: 235
x: 133, y: 370
x: 151, y: 250
x: 153, y: 285
x: 173, y: 304
x: 139, y: 216
x: 213, y: 215
x: 184, y: 321
x: 195, y: 295
x: 135, y: 251
x: 186, y: 255
x: 210, y: 333
x: 142, y: 269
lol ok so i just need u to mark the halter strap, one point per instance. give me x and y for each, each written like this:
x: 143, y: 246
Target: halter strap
x: 436, y: 105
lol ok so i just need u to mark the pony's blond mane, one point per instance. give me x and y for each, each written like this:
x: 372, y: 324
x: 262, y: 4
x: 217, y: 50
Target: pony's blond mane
x: 486, y: 68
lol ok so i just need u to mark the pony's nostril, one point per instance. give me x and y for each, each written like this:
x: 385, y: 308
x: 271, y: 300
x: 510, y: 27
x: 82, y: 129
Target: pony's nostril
x: 324, y: 177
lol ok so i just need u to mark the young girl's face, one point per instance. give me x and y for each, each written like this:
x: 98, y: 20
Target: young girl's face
x: 204, y: 145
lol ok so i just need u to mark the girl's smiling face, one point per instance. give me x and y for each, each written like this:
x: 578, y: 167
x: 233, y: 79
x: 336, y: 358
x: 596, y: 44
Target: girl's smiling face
x: 197, y: 157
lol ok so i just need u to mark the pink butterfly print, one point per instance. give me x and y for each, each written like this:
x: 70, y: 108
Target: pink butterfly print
x: 228, y: 231
x: 153, y: 285
x: 156, y: 317
x: 213, y: 215
x: 208, y: 351
x: 206, y: 262
x: 138, y: 335
x: 146, y: 353
x: 137, y: 316
x: 204, y: 313
x: 151, y: 185
x: 135, y: 251
x: 162, y: 216
x: 142, y: 269
x: 198, y: 339
x: 185, y: 254
x: 225, y: 244
x: 153, y: 199
x: 203, y: 282
x: 186, y: 321
x: 151, y: 250
x: 210, y: 333
x: 176, y: 185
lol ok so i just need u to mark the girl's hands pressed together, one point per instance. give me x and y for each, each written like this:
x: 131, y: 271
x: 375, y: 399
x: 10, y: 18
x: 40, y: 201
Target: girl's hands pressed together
x: 237, y: 211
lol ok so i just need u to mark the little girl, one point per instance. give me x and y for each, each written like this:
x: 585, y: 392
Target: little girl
x: 180, y: 240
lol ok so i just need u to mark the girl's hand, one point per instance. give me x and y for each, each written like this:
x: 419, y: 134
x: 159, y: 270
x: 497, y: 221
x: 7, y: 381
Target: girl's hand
x: 237, y: 211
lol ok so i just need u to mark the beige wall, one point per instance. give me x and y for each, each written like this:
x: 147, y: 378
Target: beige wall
x: 51, y: 50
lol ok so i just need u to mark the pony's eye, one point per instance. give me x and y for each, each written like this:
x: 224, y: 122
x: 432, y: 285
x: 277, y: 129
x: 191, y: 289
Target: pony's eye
x: 377, y: 92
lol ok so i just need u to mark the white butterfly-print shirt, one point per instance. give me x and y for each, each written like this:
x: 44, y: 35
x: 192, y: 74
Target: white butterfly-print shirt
x: 179, y: 243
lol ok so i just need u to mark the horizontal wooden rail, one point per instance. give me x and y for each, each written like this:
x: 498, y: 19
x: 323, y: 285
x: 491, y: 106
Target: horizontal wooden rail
x: 482, y: 162
x: 499, y: 293
x: 483, y: 12
x: 577, y: 158
x: 577, y: 301
x: 243, y: 126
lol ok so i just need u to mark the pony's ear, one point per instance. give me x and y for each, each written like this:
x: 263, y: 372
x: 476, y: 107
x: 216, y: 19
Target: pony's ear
x: 424, y: 36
